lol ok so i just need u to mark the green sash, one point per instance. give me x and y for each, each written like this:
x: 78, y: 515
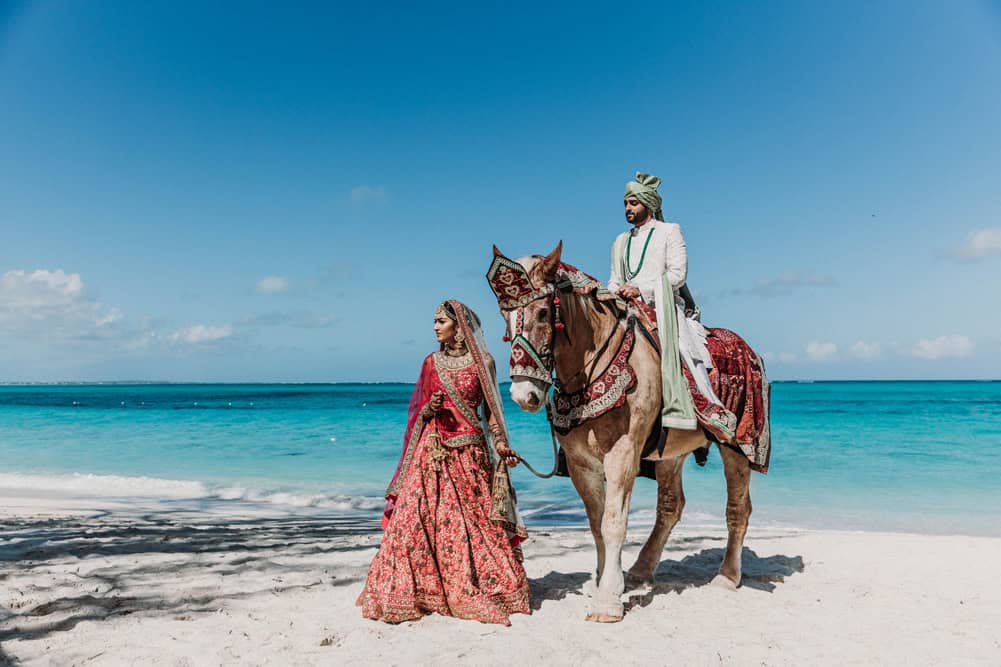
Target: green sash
x: 678, y: 410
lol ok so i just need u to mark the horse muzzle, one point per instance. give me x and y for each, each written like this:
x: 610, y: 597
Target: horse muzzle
x: 528, y: 393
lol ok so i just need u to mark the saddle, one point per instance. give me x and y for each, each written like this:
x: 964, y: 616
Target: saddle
x: 739, y: 381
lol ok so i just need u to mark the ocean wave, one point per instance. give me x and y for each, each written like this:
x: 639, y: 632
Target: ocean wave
x: 117, y: 486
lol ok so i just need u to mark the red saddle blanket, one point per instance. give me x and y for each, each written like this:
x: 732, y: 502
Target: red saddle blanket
x: 739, y: 380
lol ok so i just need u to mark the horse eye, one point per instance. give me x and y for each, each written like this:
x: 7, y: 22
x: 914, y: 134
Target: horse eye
x: 543, y: 315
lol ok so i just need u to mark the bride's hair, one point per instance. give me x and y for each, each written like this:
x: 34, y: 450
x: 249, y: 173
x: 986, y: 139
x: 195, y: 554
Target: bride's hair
x: 474, y: 319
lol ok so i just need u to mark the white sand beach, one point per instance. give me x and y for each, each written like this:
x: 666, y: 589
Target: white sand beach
x: 110, y: 584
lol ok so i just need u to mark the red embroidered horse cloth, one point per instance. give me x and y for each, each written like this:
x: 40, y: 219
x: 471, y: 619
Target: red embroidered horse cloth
x: 739, y: 380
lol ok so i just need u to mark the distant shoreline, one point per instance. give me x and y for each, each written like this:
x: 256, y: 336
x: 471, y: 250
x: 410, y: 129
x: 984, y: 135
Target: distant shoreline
x: 147, y: 383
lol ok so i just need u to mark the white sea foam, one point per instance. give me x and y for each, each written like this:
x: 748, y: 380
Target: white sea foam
x: 115, y: 486
x: 110, y: 486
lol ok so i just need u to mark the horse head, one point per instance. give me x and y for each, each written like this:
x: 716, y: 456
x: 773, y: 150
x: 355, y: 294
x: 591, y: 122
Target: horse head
x: 529, y: 301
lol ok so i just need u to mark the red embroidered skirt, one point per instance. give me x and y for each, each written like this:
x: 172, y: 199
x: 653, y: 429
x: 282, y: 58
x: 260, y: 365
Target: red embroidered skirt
x: 441, y: 552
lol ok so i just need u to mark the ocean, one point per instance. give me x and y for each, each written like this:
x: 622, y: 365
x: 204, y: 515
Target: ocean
x: 891, y: 456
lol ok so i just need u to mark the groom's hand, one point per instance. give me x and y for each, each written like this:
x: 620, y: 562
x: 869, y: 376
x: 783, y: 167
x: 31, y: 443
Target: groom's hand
x: 628, y: 292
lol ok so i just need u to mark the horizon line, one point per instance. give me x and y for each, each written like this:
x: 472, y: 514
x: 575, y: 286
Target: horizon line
x: 57, y: 383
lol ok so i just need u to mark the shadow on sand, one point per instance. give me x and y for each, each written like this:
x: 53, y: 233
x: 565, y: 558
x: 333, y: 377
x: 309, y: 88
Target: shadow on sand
x: 270, y: 554
x: 700, y: 568
x: 692, y: 571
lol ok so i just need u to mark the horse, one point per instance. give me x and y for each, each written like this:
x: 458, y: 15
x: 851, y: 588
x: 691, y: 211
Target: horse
x: 553, y: 328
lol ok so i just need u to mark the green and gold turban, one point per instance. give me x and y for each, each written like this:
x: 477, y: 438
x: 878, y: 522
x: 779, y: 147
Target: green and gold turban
x: 644, y: 188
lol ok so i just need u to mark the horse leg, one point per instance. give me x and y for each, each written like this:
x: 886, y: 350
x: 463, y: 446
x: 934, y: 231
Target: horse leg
x: 620, y: 473
x: 738, y: 511
x: 588, y: 478
x: 670, y: 503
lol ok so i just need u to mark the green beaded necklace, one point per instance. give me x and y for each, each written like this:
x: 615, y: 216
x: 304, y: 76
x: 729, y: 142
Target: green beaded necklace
x: 630, y: 274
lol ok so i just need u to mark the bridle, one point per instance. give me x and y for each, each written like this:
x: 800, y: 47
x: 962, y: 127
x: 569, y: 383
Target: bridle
x: 526, y: 359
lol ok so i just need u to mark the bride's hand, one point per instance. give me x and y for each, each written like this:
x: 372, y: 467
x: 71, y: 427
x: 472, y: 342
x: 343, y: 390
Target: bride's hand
x: 433, y: 406
x: 509, y: 455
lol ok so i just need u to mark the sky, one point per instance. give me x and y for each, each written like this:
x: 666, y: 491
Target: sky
x: 258, y: 192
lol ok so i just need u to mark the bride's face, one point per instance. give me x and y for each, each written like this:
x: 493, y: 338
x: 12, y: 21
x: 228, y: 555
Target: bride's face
x: 444, y: 328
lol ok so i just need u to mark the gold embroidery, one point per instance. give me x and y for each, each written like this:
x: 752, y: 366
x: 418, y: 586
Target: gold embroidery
x: 415, y: 437
x: 464, y: 439
x: 435, y: 450
x: 452, y: 363
x: 440, y: 361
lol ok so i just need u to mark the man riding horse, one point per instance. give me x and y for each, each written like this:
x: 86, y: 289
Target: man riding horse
x: 650, y: 265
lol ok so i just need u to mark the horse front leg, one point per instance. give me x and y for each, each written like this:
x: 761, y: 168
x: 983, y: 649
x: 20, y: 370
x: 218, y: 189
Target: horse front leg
x: 738, y: 511
x: 620, y: 466
x: 588, y: 478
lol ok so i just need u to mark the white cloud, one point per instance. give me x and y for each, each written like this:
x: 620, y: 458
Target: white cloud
x: 201, y: 333
x: 786, y: 284
x: 362, y: 194
x: 302, y: 319
x: 865, y: 350
x: 943, y: 347
x: 782, y: 357
x: 980, y: 244
x: 53, y: 305
x: 272, y: 285
x: 821, y: 351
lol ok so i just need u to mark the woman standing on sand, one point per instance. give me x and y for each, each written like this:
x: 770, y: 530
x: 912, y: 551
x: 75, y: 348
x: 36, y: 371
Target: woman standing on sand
x: 451, y: 526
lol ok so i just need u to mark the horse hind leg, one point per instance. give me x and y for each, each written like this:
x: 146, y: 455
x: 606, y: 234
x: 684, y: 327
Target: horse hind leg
x: 738, y: 510
x: 670, y: 504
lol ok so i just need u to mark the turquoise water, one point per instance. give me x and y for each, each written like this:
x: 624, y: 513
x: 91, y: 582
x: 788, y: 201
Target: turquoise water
x: 908, y: 456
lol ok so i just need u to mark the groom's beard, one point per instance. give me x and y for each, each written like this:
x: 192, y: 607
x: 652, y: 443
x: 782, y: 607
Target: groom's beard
x: 639, y: 218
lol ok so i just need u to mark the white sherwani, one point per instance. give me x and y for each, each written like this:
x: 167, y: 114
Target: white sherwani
x: 665, y: 254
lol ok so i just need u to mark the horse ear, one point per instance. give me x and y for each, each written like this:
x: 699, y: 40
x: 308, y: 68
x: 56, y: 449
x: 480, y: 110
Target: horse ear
x: 551, y: 262
x: 497, y: 252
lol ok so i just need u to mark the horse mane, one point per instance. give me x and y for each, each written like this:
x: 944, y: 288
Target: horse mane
x: 570, y: 278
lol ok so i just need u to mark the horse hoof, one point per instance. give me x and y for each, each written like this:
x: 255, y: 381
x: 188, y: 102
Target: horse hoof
x: 721, y: 581
x: 602, y: 618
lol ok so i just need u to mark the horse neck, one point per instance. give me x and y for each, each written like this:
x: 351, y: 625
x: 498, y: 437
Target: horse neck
x: 588, y: 327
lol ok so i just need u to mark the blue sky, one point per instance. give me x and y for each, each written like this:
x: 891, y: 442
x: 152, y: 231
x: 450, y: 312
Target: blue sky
x: 256, y: 193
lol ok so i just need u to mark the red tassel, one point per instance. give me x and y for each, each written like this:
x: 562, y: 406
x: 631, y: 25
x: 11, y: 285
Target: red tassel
x: 506, y: 338
x: 556, y: 300
x: 560, y: 326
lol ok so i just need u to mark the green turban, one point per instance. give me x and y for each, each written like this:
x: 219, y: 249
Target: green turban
x: 644, y: 188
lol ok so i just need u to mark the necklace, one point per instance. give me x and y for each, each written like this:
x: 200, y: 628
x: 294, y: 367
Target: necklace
x: 630, y: 274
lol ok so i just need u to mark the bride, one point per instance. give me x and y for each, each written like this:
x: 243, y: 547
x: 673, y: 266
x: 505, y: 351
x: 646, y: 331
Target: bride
x: 451, y: 526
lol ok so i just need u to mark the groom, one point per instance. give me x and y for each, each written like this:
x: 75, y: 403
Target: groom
x: 650, y: 263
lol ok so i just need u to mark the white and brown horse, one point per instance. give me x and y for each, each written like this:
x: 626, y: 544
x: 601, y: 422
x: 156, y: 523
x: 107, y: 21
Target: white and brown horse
x: 556, y: 330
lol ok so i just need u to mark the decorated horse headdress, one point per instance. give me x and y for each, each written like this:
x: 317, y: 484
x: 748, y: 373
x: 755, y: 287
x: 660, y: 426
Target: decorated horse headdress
x: 515, y: 289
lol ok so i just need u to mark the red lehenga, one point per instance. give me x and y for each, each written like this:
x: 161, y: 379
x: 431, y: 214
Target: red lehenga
x: 451, y: 541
